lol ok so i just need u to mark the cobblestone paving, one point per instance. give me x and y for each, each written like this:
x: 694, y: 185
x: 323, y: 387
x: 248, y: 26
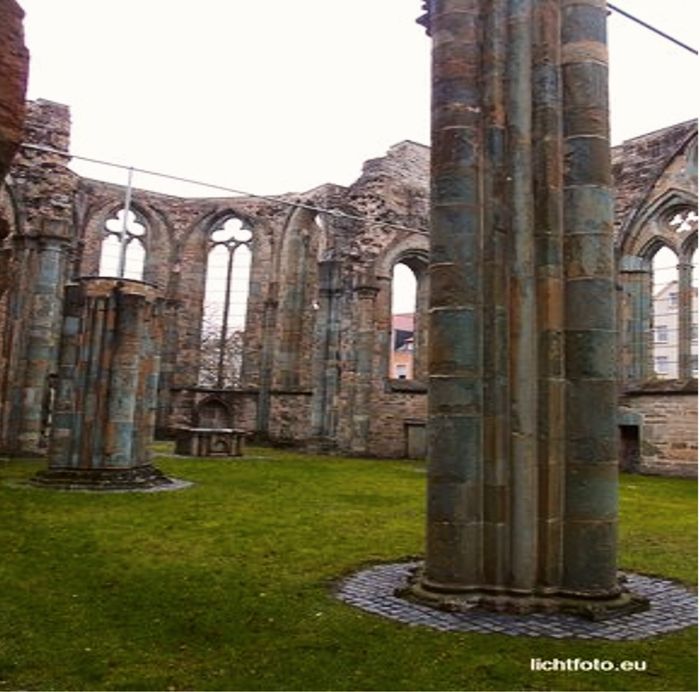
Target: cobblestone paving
x: 672, y: 608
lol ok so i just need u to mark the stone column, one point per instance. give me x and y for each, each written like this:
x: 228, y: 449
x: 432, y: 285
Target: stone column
x: 636, y: 337
x: 685, y: 319
x: 590, y: 525
x: 266, y: 362
x: 325, y: 366
x: 365, y: 295
x: 104, y: 415
x: 522, y: 485
x: 43, y: 330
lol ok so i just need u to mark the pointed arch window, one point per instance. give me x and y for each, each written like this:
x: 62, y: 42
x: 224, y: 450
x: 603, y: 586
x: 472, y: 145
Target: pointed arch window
x: 225, y: 305
x: 123, y: 249
x: 404, y: 286
x: 408, y: 334
x: 664, y: 310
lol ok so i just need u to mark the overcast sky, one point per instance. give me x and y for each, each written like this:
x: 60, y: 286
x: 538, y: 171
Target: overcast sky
x: 284, y: 95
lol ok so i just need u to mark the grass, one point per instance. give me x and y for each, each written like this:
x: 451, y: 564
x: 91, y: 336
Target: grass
x: 227, y: 585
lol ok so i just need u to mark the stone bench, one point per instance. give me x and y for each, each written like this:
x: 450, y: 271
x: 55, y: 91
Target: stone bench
x: 209, y: 442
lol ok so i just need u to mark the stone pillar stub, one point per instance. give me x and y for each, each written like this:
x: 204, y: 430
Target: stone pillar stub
x: 104, y: 415
x: 522, y: 480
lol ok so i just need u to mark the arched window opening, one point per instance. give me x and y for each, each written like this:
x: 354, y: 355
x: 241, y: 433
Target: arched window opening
x: 123, y: 253
x: 665, y: 319
x: 225, y: 305
x: 404, y: 289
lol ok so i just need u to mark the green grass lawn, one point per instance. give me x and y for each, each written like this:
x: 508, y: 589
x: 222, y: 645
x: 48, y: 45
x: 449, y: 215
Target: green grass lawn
x: 227, y: 584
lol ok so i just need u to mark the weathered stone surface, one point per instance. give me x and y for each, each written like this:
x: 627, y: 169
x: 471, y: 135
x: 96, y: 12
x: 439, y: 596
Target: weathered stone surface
x: 14, y: 69
x: 522, y: 481
x: 316, y: 350
x: 103, y: 417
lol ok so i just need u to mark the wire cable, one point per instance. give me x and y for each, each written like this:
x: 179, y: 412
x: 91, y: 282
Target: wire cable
x: 652, y: 28
x: 213, y: 186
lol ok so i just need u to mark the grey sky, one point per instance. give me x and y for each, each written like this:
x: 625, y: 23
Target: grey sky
x: 281, y: 96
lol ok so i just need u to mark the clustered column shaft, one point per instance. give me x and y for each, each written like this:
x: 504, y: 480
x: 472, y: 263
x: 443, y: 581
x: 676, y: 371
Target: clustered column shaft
x: 522, y: 494
x: 104, y: 414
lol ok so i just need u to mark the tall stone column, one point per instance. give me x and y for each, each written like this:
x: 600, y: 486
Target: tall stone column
x: 104, y: 414
x: 522, y: 486
x: 325, y: 367
x: 636, y: 279
x: 43, y: 331
x: 591, y: 496
x: 685, y: 319
x: 365, y: 296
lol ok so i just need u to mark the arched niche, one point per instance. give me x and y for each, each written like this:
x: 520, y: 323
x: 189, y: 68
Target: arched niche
x: 304, y: 243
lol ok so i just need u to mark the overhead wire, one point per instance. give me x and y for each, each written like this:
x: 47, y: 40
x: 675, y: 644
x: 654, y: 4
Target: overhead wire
x: 646, y: 25
x: 190, y: 181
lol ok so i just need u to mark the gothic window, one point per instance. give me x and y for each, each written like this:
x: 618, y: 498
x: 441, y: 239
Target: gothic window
x: 225, y: 305
x: 404, y: 288
x: 123, y: 253
x: 664, y: 311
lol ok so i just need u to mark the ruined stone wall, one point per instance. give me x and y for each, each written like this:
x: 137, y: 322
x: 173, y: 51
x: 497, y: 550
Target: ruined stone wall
x: 637, y: 165
x: 286, y: 339
x: 655, y: 176
x: 668, y: 426
x: 41, y: 191
x: 318, y: 330
x: 14, y: 68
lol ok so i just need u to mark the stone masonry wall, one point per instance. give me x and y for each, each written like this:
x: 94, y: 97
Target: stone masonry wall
x: 668, y: 431
x: 332, y: 327
x: 14, y: 68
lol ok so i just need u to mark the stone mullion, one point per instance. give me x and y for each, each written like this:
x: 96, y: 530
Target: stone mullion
x: 548, y: 242
x: 591, y: 401
x: 497, y: 493
x: 685, y: 320
x: 455, y: 394
x: 523, y: 313
x: 223, y: 333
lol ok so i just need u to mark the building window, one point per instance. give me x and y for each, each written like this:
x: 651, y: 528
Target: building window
x: 661, y: 334
x: 225, y: 305
x: 662, y: 365
x: 673, y: 300
x: 123, y: 253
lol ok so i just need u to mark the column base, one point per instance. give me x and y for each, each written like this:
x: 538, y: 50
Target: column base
x: 603, y: 606
x: 136, y: 478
